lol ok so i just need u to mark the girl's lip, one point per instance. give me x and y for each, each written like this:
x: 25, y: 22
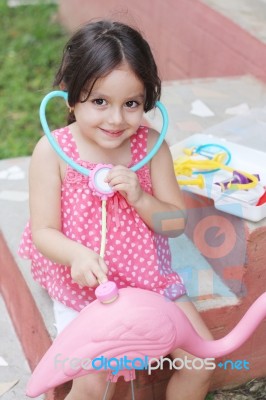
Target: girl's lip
x: 112, y: 133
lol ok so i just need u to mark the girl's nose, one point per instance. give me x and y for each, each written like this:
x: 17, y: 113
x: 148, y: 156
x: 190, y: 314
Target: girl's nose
x: 115, y: 116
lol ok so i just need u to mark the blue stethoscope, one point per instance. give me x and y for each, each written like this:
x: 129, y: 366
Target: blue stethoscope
x: 98, y: 174
x: 209, y: 150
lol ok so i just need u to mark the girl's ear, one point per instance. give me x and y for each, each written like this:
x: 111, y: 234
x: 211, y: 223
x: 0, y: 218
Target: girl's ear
x: 62, y: 87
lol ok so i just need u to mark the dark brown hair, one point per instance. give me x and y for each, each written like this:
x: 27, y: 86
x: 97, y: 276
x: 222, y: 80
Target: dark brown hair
x: 98, y: 48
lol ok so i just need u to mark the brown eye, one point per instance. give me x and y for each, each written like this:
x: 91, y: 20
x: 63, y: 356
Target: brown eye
x: 132, y: 104
x: 99, y: 102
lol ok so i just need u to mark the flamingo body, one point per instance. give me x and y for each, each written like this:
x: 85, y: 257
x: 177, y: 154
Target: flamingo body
x: 139, y: 324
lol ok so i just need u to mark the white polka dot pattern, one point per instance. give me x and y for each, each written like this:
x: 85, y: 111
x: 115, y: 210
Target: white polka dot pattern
x: 135, y: 255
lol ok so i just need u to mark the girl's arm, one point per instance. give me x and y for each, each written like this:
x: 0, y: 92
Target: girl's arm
x: 164, y: 211
x: 45, y: 214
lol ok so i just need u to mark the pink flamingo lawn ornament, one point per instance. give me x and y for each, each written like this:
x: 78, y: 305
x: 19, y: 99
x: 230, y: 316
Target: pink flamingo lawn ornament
x: 139, y: 324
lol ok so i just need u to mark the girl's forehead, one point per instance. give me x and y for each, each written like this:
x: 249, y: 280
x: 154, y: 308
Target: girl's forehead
x: 120, y: 81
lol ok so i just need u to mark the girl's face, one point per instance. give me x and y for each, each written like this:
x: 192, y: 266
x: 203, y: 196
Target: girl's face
x: 114, y: 109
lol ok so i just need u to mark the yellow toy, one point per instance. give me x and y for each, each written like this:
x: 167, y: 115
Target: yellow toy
x: 189, y: 164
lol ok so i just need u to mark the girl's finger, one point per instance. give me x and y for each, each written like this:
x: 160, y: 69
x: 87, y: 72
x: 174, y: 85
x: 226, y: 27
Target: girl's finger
x: 91, y: 279
x: 103, y: 265
x: 123, y: 179
x: 99, y: 273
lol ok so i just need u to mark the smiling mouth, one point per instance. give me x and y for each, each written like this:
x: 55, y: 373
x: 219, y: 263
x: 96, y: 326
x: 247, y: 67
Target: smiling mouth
x: 112, y: 133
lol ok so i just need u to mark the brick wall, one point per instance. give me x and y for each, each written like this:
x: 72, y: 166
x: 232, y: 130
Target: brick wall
x: 188, y: 38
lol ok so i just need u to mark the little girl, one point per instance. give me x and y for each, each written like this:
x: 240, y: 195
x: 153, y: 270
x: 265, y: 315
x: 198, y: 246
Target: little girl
x: 111, y: 78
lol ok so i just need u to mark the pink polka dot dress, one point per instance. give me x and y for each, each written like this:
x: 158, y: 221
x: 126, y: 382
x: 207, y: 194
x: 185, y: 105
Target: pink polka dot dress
x: 135, y: 255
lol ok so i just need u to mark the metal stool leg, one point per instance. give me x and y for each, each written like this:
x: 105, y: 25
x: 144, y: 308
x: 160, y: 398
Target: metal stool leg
x: 132, y: 390
x: 129, y: 375
x: 106, y: 390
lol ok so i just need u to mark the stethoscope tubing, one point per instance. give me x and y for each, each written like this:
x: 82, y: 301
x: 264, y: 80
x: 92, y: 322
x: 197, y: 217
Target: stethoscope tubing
x: 80, y: 168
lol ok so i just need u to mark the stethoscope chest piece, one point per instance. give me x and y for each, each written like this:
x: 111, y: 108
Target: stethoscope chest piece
x: 97, y: 182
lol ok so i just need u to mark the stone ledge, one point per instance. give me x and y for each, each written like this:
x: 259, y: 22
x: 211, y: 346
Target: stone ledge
x: 24, y: 313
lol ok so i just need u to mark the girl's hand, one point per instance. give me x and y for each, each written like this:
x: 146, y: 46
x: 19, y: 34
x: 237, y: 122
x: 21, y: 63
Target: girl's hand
x: 88, y: 268
x: 125, y: 181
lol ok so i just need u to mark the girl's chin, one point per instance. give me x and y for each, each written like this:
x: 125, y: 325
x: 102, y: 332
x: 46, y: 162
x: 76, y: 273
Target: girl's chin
x: 111, y: 144
x: 113, y: 140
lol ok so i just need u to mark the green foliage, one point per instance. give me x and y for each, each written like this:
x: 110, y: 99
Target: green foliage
x: 31, y: 44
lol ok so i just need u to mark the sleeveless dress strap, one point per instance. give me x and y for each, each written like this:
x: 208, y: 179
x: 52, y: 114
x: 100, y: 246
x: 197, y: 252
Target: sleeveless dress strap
x: 139, y: 144
x: 67, y: 142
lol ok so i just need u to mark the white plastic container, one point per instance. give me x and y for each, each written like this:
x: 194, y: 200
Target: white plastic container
x: 241, y: 203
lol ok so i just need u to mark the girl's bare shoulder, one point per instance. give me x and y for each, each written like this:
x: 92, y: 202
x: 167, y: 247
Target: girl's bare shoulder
x: 44, y: 156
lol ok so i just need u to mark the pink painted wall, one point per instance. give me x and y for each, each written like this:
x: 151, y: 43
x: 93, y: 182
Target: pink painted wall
x: 189, y: 39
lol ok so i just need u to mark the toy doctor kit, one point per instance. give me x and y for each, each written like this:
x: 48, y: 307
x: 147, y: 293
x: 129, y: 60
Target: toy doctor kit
x: 232, y: 175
